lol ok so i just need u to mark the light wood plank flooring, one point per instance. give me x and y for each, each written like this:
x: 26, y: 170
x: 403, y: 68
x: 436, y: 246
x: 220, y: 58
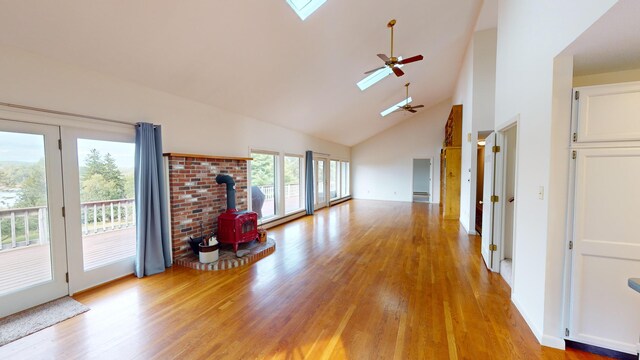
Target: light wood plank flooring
x: 362, y: 280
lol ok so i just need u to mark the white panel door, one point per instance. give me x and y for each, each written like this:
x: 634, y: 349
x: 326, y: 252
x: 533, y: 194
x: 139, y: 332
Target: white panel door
x: 99, y: 194
x: 491, y: 219
x: 606, y: 249
x: 33, y: 258
x: 608, y: 113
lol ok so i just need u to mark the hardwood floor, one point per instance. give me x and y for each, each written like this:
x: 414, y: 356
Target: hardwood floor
x: 362, y: 280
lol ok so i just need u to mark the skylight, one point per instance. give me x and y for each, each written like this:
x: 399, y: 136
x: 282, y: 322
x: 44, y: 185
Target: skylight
x: 395, y: 107
x: 304, y: 8
x: 376, y: 76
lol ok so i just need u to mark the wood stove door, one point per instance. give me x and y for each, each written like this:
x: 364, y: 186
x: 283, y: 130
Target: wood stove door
x: 320, y: 183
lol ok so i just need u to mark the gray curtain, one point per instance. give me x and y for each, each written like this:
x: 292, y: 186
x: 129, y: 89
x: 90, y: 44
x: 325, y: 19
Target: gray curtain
x: 309, y: 181
x: 153, y: 253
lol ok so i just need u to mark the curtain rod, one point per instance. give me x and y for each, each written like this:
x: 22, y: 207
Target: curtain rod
x: 25, y: 107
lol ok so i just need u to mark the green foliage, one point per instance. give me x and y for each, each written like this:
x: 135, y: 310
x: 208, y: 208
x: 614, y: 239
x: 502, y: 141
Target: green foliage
x: 291, y: 170
x: 33, y: 190
x: 262, y: 169
x: 101, y: 178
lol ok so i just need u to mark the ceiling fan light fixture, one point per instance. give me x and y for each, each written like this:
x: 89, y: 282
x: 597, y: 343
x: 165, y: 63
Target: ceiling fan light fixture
x: 376, y: 76
x: 396, y: 106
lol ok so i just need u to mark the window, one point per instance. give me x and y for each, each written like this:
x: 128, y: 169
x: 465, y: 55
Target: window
x: 263, y: 185
x: 396, y: 106
x: 304, y: 8
x: 292, y: 184
x: 334, y: 178
x: 107, y: 201
x: 344, y: 179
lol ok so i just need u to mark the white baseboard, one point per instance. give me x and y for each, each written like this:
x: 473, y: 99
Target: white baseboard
x: 553, y: 342
x: 536, y: 332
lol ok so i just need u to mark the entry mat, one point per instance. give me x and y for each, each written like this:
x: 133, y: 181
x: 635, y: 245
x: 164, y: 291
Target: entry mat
x: 16, y: 326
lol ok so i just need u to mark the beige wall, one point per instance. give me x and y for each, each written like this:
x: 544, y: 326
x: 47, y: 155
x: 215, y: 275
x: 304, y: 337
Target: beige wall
x: 607, y: 78
x: 188, y: 126
x: 530, y: 35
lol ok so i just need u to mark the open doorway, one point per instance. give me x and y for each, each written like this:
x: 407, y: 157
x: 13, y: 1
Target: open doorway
x: 421, y: 180
x: 499, y: 193
x: 482, y: 136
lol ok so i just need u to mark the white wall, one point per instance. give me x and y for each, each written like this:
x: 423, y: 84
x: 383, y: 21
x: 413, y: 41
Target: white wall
x: 382, y: 165
x: 188, y: 126
x: 530, y: 35
x: 475, y: 90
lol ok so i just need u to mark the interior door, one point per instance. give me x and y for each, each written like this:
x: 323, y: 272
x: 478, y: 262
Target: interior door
x: 320, y: 182
x: 99, y: 193
x: 606, y: 249
x: 491, y: 209
x: 33, y: 262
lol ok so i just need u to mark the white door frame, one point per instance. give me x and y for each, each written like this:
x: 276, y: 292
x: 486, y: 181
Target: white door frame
x: 492, y: 227
x: 57, y: 286
x: 325, y: 169
x: 79, y: 278
x: 498, y: 228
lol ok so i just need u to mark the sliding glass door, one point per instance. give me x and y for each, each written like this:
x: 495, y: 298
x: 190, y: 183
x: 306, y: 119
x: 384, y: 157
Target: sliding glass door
x: 99, y: 193
x: 33, y: 259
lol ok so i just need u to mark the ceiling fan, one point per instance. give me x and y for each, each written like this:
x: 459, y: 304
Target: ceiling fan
x: 406, y: 106
x: 392, y: 61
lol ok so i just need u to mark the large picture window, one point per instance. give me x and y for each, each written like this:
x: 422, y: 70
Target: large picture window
x: 292, y: 183
x: 264, y: 193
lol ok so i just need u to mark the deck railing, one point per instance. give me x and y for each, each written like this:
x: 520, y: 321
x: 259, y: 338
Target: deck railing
x: 25, y: 226
x: 101, y: 216
x: 290, y: 190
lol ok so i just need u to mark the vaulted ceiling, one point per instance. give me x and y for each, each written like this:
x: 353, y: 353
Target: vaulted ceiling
x: 257, y: 58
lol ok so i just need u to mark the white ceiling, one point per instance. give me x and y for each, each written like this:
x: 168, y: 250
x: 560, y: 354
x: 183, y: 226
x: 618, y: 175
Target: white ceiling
x: 611, y: 44
x: 257, y: 58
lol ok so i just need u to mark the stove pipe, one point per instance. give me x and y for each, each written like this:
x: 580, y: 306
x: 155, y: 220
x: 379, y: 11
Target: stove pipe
x: 231, y: 190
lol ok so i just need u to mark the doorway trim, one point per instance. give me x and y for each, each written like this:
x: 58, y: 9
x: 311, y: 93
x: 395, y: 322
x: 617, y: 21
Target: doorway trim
x: 501, y: 190
x: 418, y: 157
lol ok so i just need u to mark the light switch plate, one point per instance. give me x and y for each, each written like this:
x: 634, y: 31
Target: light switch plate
x: 541, y: 192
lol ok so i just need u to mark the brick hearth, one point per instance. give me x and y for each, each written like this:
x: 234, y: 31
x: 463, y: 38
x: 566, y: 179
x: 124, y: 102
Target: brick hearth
x: 195, y: 196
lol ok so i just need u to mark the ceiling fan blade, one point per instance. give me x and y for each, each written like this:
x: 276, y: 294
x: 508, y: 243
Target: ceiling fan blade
x: 397, y: 71
x: 417, y: 106
x: 374, y: 70
x: 384, y: 57
x: 411, y: 111
x: 411, y: 59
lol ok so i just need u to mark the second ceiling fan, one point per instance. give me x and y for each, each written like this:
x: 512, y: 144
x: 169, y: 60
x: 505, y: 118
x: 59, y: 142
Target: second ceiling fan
x: 393, y: 61
x: 406, y: 106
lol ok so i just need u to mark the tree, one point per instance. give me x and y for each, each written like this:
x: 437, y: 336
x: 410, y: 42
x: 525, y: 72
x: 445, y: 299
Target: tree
x: 262, y: 170
x: 291, y: 170
x: 113, y: 175
x: 101, y: 178
x: 93, y: 163
x: 33, y: 190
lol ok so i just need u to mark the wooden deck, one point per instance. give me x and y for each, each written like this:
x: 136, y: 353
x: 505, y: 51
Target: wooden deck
x: 29, y: 265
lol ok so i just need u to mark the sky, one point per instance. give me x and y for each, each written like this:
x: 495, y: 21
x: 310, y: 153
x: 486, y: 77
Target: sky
x: 29, y: 148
